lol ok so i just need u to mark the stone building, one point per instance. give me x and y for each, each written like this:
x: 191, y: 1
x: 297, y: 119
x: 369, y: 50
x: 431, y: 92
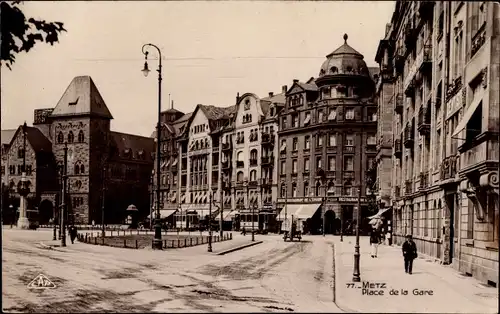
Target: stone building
x: 445, y: 153
x: 327, y: 140
x: 106, y: 171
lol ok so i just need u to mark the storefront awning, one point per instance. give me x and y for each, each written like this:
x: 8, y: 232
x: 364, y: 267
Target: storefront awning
x: 228, y: 215
x: 467, y: 115
x: 380, y: 212
x: 164, y: 213
x: 299, y: 211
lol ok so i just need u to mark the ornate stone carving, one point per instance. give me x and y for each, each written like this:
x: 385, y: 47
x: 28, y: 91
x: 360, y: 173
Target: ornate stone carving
x: 476, y: 195
x: 489, y: 180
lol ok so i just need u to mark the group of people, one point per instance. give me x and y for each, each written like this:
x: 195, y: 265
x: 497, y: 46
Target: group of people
x: 409, y: 249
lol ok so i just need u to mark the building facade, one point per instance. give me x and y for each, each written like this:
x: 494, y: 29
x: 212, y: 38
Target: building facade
x: 327, y: 140
x: 445, y: 144
x: 106, y: 171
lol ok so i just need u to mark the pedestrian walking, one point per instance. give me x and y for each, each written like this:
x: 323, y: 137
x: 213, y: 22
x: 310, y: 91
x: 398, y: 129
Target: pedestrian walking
x: 409, y: 253
x: 72, y: 234
x: 374, y: 242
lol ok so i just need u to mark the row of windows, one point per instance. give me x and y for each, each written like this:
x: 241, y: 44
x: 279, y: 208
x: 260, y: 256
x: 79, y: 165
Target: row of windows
x: 332, y: 164
x: 71, y: 137
x: 247, y: 118
x: 320, y: 117
x: 331, y: 190
x: 199, y: 128
x: 12, y: 169
x: 332, y: 141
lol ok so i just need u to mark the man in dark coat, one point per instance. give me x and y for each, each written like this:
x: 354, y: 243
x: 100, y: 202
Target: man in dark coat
x: 409, y: 253
x: 73, y: 233
x: 374, y: 242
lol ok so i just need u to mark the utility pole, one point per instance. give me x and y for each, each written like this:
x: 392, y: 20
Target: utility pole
x: 356, y: 272
x: 210, y: 222
x: 221, y: 193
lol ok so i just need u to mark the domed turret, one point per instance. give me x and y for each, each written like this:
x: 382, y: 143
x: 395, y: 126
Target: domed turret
x: 344, y: 61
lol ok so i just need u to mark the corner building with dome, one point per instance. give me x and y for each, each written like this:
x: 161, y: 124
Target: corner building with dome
x: 327, y: 142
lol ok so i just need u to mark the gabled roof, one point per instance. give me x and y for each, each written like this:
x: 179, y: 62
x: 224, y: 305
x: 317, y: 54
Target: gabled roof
x: 82, y: 98
x: 305, y: 86
x: 279, y: 99
x: 7, y: 135
x: 34, y: 137
x: 135, y: 143
x: 214, y: 113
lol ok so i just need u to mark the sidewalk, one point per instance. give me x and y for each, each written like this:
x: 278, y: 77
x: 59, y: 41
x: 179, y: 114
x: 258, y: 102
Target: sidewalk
x: 451, y: 292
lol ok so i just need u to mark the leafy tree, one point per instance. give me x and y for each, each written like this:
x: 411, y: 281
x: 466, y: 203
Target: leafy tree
x: 19, y: 34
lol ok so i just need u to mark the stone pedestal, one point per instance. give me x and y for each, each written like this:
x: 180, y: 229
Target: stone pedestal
x: 23, y: 222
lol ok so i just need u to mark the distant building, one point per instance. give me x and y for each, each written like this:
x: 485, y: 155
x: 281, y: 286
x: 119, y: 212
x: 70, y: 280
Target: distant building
x: 327, y: 140
x: 102, y: 164
x: 444, y: 57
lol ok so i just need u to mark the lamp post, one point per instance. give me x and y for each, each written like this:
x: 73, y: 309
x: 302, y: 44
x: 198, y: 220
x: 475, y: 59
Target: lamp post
x: 13, y: 213
x: 341, y: 224
x: 210, y: 221
x: 157, y: 242
x: 103, y: 199
x: 180, y: 210
x: 253, y: 221
x: 23, y: 189
x: 63, y: 195
x: 356, y: 271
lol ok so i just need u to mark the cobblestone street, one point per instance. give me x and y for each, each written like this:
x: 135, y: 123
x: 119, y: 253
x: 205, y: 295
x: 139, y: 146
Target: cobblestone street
x: 272, y: 276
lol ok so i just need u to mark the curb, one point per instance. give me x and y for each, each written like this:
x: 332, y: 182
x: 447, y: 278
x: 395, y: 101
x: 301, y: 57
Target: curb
x: 336, y: 287
x: 241, y: 247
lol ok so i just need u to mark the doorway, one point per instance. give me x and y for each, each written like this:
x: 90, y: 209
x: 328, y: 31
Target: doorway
x: 329, y: 222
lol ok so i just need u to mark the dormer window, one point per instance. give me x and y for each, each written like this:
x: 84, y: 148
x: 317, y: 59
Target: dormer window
x: 334, y: 69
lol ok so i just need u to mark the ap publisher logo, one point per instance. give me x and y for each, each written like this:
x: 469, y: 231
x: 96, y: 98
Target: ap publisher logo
x: 41, y: 282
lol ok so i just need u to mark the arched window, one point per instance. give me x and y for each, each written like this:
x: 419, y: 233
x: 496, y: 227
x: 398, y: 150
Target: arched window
x: 331, y: 188
x: 334, y: 69
x: 81, y: 137
x: 71, y: 137
x: 239, y: 156
x: 79, y: 168
x: 253, y: 175
x: 82, y: 169
x: 294, y: 189
x: 239, y: 176
x: 306, y: 189
x: 206, y: 143
x: 196, y: 145
x: 283, y: 190
x: 253, y: 154
x: 60, y: 138
x: 318, y: 189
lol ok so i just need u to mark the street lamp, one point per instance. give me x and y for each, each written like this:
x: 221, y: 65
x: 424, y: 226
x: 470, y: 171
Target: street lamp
x: 180, y: 209
x: 23, y: 188
x: 356, y: 271
x: 157, y: 242
x: 63, y: 195
x: 253, y: 221
x: 210, y: 221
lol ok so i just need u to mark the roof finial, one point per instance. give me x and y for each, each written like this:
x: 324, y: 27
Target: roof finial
x: 345, y: 38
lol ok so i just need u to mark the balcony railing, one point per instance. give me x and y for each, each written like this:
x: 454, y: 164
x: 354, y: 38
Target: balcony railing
x: 453, y: 88
x: 398, y: 148
x: 240, y: 164
x: 424, y: 120
x: 424, y: 180
x: 226, y: 146
x: 226, y: 165
x: 477, y: 42
x: 226, y: 185
x: 398, y: 103
x: 267, y: 181
x: 348, y: 174
x: 253, y: 162
x: 408, y: 187
x: 268, y: 139
x: 330, y: 174
x: 349, y: 149
x: 449, y: 168
x: 267, y: 161
x: 424, y: 58
x: 408, y: 136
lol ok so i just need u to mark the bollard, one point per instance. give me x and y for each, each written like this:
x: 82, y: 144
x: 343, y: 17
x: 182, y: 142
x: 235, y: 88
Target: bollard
x: 136, y: 244
x: 124, y: 242
x: 196, y: 240
x: 190, y: 241
x: 85, y: 238
x: 95, y: 241
x: 172, y: 244
x: 178, y: 243
x: 137, y: 231
x: 111, y: 232
x: 102, y: 240
x: 185, y: 242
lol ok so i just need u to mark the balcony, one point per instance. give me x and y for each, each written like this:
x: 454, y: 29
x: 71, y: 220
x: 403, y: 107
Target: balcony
x: 408, y: 136
x: 330, y: 174
x: 267, y: 161
x: 398, y: 148
x: 453, y: 88
x: 226, y: 185
x: 424, y: 58
x: 268, y: 139
x: 349, y: 149
x: 410, y: 88
x: 240, y: 164
x: 348, y: 174
x: 267, y: 181
x: 424, y: 180
x: 398, y: 104
x: 478, y: 41
x: 424, y: 120
x: 448, y: 168
x: 253, y: 162
x: 408, y: 187
x: 226, y: 146
x: 252, y: 183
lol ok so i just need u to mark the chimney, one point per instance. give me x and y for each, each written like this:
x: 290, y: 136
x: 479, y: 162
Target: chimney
x: 271, y: 94
x: 284, y: 89
x: 237, y: 97
x: 295, y: 81
x: 172, y: 106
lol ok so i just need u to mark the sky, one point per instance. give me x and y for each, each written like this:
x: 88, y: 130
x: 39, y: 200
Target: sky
x: 211, y: 51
